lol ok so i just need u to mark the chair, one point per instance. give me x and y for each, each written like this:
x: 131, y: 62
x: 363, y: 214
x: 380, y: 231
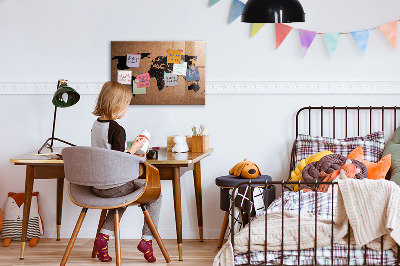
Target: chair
x: 85, y: 167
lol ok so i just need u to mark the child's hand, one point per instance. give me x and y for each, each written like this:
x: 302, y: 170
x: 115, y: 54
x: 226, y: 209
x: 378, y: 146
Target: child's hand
x: 143, y: 155
x: 137, y: 144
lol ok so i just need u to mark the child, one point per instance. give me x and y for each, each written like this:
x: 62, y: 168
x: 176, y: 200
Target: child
x: 112, y: 103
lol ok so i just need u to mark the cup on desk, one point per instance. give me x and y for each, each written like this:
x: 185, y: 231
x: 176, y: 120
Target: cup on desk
x: 152, y: 155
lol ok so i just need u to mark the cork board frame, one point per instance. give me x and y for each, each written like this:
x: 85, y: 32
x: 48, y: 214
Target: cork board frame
x: 153, y: 60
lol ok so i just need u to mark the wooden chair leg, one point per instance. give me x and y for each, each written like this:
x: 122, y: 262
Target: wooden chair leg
x: 73, y: 237
x: 101, y: 222
x: 154, y: 230
x: 223, y: 229
x: 117, y: 238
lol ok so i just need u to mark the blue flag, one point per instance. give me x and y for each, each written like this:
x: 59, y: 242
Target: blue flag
x: 213, y: 2
x: 361, y: 38
x: 332, y: 41
x: 237, y: 10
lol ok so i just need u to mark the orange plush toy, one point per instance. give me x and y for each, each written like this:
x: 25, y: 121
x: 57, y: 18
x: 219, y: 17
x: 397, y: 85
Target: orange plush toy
x: 375, y: 170
x: 13, y: 214
x: 245, y: 169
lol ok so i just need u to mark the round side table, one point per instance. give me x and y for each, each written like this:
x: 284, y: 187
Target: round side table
x: 226, y: 183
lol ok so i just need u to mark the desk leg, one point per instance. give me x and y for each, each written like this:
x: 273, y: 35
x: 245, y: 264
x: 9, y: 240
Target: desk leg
x: 27, y: 206
x: 176, y: 182
x: 60, y: 190
x: 199, y: 204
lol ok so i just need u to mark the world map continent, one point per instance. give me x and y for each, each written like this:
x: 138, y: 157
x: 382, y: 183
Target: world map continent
x: 158, y: 66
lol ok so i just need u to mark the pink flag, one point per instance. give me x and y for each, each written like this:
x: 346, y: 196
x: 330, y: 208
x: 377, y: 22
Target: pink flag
x: 389, y: 30
x: 281, y: 31
x: 306, y: 39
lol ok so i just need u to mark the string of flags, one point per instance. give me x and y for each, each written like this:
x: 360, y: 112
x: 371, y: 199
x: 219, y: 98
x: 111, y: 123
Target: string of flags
x: 361, y: 37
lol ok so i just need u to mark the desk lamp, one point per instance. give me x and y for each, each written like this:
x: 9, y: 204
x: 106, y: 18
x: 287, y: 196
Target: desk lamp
x: 64, y: 96
x: 273, y: 11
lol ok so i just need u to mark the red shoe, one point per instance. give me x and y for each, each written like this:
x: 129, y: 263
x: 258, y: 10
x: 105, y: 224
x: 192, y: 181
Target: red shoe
x: 146, y: 247
x: 101, y: 245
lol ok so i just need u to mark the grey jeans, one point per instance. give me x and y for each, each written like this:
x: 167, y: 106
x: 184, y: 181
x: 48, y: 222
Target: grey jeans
x: 154, y: 208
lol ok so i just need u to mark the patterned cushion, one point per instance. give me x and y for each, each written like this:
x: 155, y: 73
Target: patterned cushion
x: 372, y: 144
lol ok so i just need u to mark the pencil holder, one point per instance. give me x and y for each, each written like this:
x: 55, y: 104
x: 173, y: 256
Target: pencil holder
x: 200, y: 143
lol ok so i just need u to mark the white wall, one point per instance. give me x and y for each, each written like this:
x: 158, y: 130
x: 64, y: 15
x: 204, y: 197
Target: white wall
x: 42, y: 41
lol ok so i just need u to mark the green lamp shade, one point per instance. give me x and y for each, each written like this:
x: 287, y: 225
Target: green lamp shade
x: 65, y: 96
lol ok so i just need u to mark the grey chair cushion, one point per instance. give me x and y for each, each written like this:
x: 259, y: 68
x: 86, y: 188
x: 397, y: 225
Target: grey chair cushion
x: 83, y: 196
x: 99, y: 167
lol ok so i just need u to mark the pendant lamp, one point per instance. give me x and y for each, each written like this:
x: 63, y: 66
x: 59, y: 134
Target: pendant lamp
x: 273, y: 11
x: 64, y: 96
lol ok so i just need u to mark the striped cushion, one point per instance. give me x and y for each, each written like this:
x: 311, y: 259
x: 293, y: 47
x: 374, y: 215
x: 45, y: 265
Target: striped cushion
x: 13, y: 228
x: 372, y: 145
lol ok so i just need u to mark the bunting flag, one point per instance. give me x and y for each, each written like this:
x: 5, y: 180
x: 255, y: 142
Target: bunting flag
x: 332, y: 41
x: 361, y: 37
x: 389, y: 30
x: 281, y: 31
x: 256, y: 28
x: 237, y: 9
x: 213, y: 2
x: 306, y: 39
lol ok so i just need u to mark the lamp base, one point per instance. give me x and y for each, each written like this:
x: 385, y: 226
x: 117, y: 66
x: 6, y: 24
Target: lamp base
x: 50, y: 146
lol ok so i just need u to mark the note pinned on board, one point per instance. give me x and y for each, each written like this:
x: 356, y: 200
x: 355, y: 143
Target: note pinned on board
x: 125, y: 77
x: 133, y: 60
x: 192, y: 74
x: 136, y: 90
x: 174, y: 56
x: 180, y: 69
x: 144, y: 80
x: 170, y: 79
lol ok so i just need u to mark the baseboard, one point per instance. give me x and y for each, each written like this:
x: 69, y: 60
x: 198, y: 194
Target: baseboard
x: 231, y: 87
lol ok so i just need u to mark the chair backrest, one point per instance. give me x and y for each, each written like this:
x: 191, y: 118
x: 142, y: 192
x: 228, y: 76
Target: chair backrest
x: 91, y: 166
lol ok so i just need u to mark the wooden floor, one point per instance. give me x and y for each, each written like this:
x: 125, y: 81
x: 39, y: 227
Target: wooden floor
x: 50, y: 252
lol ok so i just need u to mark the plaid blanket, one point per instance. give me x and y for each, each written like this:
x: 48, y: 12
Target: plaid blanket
x: 323, y: 205
x: 324, y: 257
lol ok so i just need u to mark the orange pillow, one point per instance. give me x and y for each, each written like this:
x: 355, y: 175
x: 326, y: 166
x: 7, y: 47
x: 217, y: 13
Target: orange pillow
x: 375, y: 170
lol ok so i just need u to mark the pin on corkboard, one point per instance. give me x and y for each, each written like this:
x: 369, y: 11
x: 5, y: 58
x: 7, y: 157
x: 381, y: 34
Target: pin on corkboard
x: 161, y: 73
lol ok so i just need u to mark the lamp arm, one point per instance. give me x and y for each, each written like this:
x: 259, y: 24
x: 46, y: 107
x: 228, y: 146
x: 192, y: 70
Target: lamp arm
x: 54, y: 126
x: 54, y: 118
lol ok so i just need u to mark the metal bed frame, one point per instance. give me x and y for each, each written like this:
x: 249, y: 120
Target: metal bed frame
x: 283, y: 184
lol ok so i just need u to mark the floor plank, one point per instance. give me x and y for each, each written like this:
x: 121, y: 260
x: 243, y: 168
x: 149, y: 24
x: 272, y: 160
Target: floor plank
x: 50, y: 252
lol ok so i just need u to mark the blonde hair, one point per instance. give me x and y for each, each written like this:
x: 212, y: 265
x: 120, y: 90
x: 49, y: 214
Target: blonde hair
x: 112, y: 99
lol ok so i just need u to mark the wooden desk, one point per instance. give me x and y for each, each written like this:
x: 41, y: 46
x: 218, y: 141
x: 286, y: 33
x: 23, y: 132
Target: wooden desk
x: 168, y: 164
x: 40, y: 167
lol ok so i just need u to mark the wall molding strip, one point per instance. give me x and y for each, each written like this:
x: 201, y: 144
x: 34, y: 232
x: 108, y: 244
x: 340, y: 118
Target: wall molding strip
x: 231, y: 87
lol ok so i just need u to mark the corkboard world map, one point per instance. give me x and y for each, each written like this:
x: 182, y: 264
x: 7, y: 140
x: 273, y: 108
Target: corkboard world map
x: 153, y: 60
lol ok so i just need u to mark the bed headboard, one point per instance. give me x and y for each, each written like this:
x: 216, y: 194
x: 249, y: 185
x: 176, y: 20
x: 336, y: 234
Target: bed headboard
x: 344, y: 121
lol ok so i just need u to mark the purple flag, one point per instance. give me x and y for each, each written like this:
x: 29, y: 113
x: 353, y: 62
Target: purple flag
x: 306, y: 39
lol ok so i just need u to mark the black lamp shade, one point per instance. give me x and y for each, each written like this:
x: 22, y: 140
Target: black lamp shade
x: 273, y: 11
x: 65, y: 96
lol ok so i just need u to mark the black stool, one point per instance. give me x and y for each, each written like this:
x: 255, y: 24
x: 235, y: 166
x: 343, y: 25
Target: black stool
x: 226, y: 183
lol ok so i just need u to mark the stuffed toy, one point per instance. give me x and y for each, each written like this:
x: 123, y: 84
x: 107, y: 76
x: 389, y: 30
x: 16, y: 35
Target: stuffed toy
x: 375, y: 170
x: 13, y: 215
x: 180, y: 144
x: 245, y: 169
x: 296, y: 174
